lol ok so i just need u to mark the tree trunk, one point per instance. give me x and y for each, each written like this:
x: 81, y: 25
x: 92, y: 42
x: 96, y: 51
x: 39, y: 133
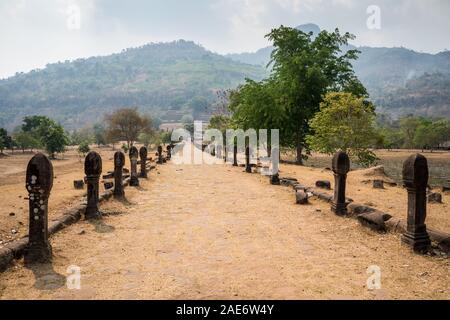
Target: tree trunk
x: 299, y: 159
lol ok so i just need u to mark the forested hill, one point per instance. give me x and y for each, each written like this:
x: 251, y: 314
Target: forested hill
x: 160, y: 78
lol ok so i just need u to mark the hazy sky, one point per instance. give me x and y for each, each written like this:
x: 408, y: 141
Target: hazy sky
x: 36, y: 32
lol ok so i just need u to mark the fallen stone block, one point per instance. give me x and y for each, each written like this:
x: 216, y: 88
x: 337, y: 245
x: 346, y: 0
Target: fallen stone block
x: 374, y: 220
x: 378, y: 184
x: 324, y: 184
x: 357, y: 209
x: 78, y: 184
x: 301, y: 197
x: 108, y: 185
x: 434, y: 197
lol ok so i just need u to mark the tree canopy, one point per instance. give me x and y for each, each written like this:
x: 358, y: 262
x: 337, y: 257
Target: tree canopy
x: 304, y: 70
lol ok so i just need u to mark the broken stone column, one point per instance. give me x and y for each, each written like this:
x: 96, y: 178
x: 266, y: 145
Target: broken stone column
x: 93, y: 170
x: 248, y: 167
x: 160, y: 155
x: 415, y: 179
x: 143, y: 153
x: 39, y: 182
x: 133, y: 153
x: 341, y: 167
x: 119, y: 162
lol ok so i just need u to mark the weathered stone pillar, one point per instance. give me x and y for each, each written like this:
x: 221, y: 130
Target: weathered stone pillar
x: 133, y: 153
x: 235, y: 150
x: 248, y: 167
x: 119, y: 162
x: 219, y: 152
x: 275, y: 177
x: 39, y: 182
x: 160, y: 155
x: 169, y: 152
x: 415, y: 179
x: 93, y: 170
x: 341, y: 167
x: 143, y: 153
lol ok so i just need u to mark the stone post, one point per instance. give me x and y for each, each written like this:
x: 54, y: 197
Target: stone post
x: 235, y: 150
x: 248, y: 167
x: 119, y: 162
x: 275, y: 177
x: 133, y: 153
x: 169, y: 152
x: 219, y: 152
x: 341, y: 166
x: 415, y: 179
x: 160, y: 155
x: 39, y: 182
x: 93, y: 170
x: 143, y: 153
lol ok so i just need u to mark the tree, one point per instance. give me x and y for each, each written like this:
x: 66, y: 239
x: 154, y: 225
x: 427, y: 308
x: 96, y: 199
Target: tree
x: 146, y: 138
x: 429, y: 135
x: 7, y: 141
x: 220, y: 122
x: 126, y: 125
x: 31, y: 123
x: 345, y: 122
x: 198, y: 105
x: 304, y: 70
x: 53, y: 137
x: 99, y: 134
x: 26, y: 140
x: 408, y: 127
x: 83, y: 148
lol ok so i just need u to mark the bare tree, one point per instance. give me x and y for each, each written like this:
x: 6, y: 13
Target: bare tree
x: 126, y: 125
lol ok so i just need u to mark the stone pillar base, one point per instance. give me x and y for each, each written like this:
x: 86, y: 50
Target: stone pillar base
x: 419, y: 242
x: 92, y: 214
x: 339, y: 208
x: 134, y: 182
x: 38, y: 253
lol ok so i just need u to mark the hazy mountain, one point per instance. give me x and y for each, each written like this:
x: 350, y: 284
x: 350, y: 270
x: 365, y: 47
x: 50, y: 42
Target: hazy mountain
x: 166, y: 78
x: 262, y: 56
x: 388, y: 72
x: 161, y: 78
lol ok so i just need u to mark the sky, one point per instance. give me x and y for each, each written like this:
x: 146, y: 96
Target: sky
x: 36, y: 32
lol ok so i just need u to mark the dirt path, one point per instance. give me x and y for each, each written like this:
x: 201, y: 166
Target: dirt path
x: 214, y: 232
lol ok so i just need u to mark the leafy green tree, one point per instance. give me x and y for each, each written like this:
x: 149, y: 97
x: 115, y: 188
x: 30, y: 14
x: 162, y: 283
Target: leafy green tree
x: 31, y: 123
x: 304, y: 70
x: 345, y: 122
x: 408, y: 127
x: 99, y: 133
x: 6, y: 140
x: 84, y: 148
x: 146, y: 138
x: 26, y: 140
x: 430, y: 135
x: 220, y: 122
x: 52, y: 136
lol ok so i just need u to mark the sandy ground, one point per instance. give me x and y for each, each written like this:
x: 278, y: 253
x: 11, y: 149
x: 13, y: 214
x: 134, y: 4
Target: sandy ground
x: 14, y: 208
x: 392, y: 200
x: 215, y: 232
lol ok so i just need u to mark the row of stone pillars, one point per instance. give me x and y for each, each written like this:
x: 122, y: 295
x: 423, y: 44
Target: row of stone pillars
x: 415, y: 179
x: 39, y: 182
